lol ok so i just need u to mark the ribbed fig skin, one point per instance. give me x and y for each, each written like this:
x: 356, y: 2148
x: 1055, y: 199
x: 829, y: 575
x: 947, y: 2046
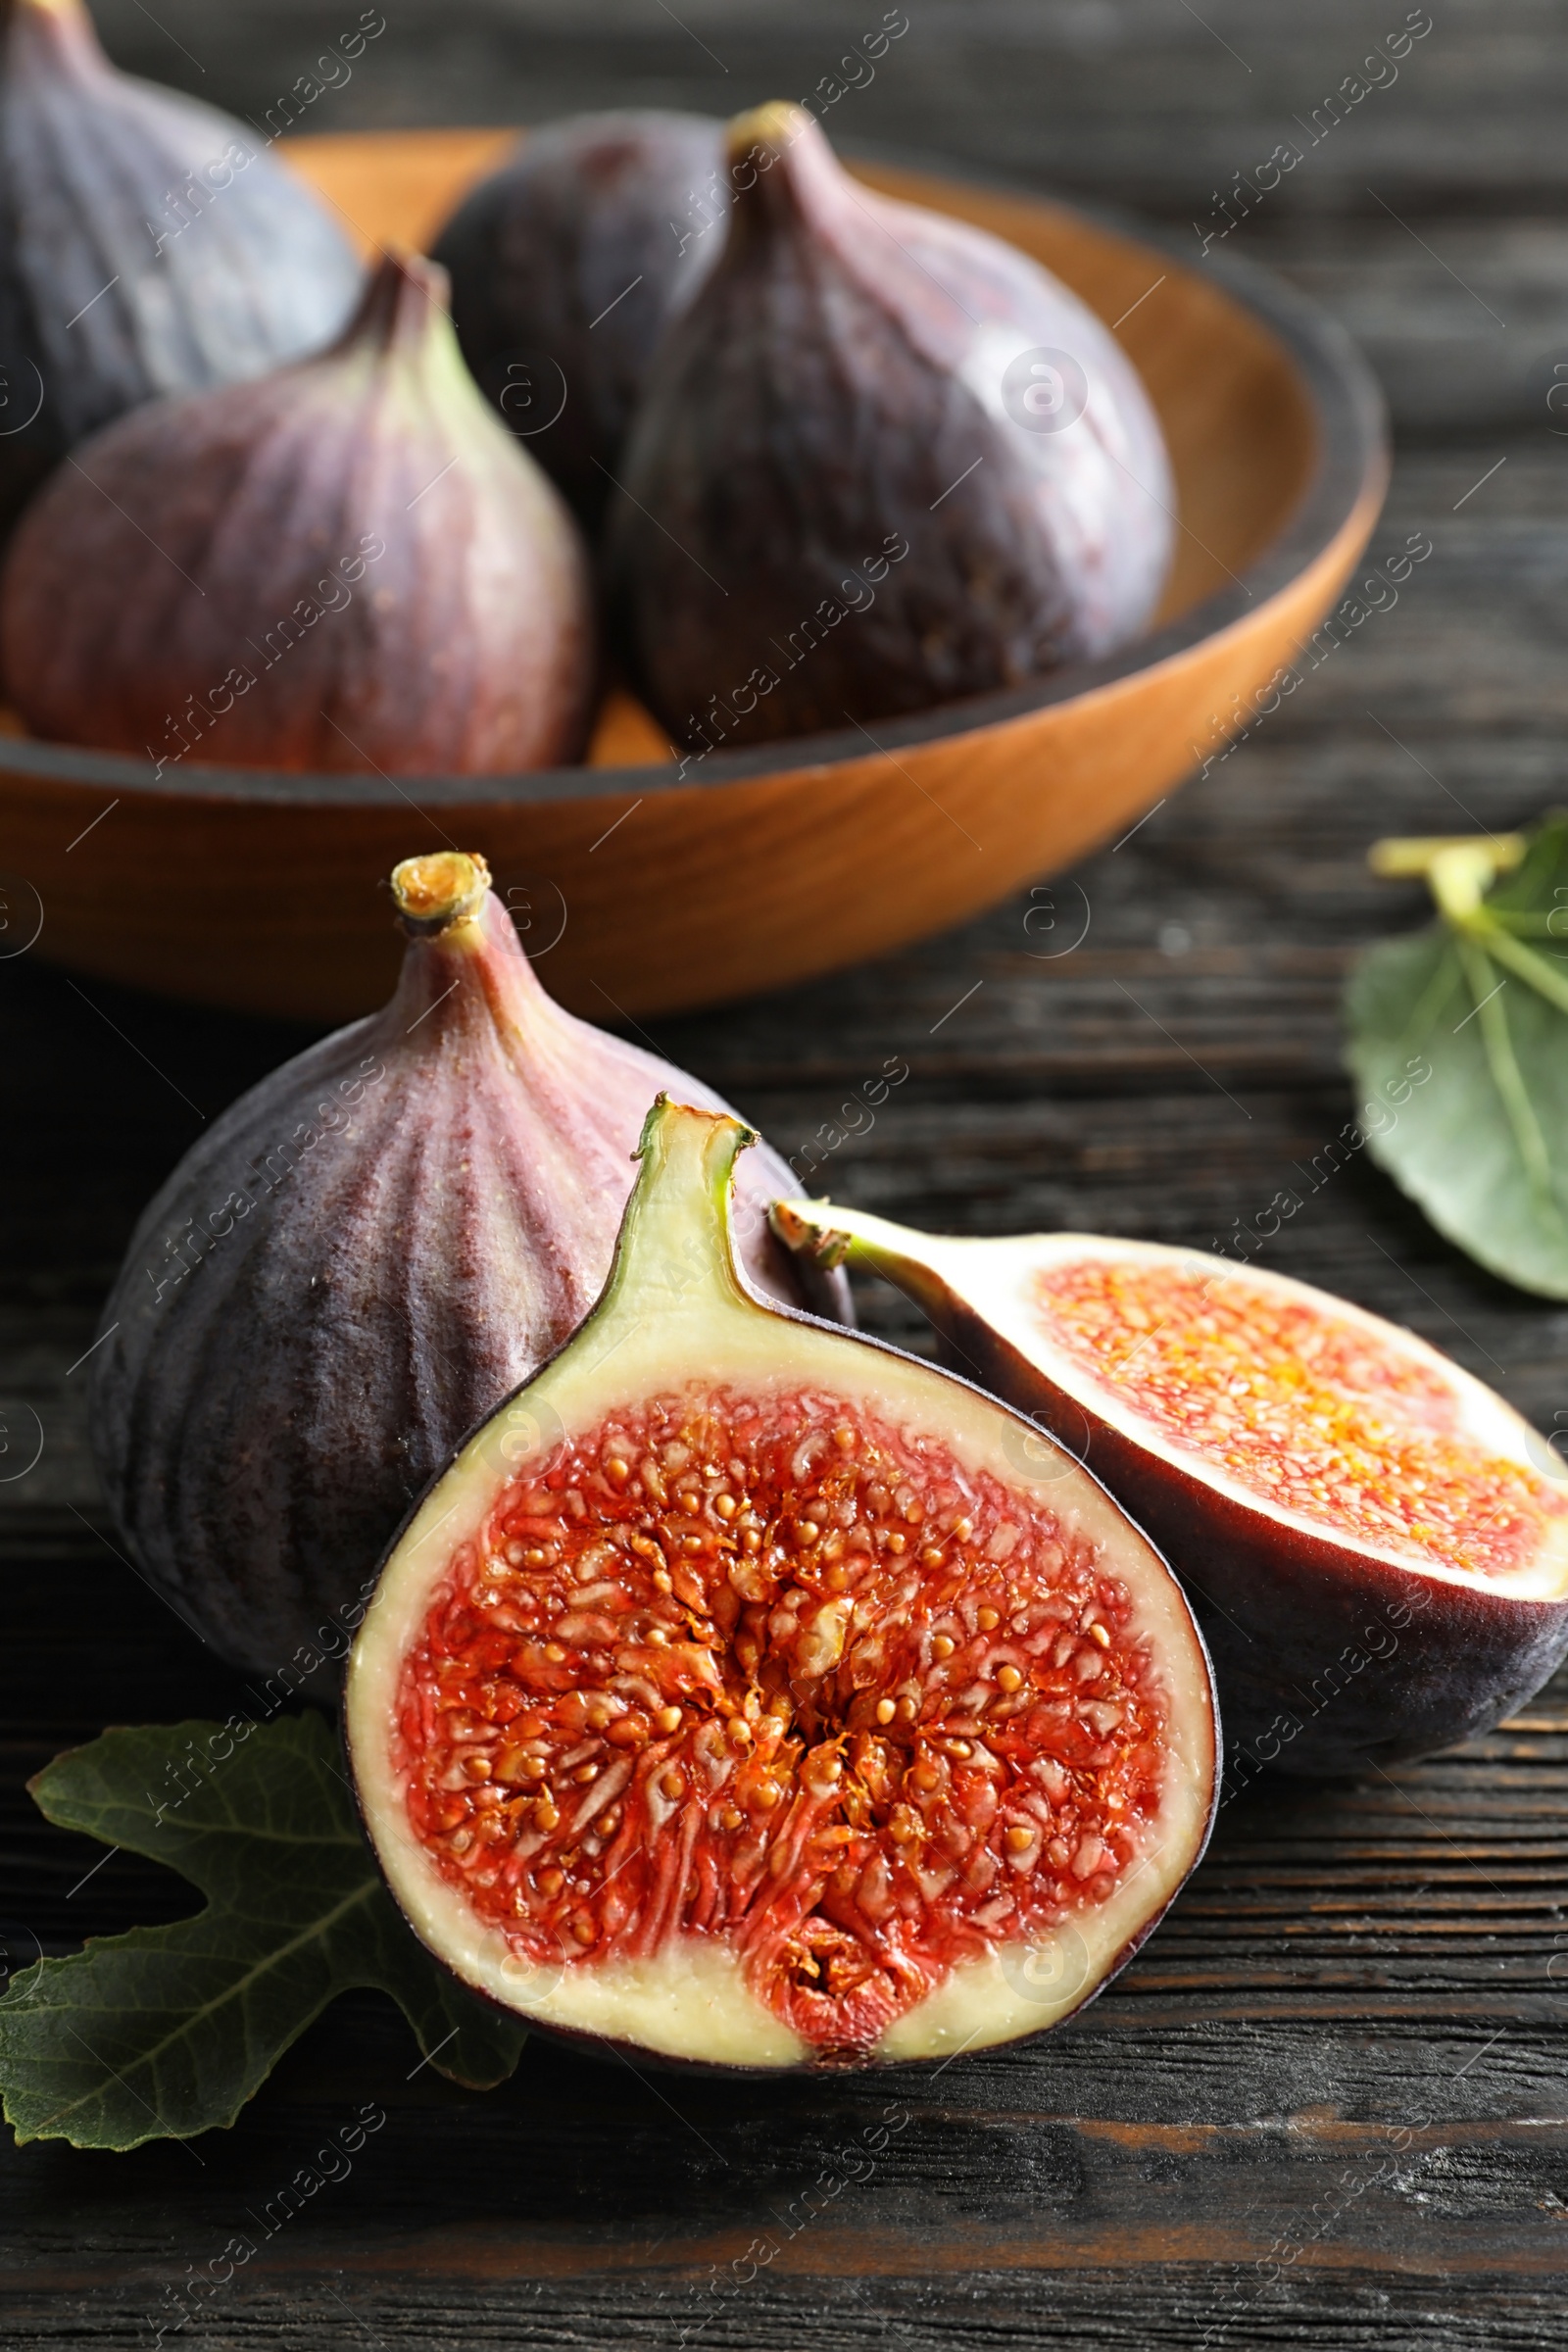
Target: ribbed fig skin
x: 831, y: 510
x: 97, y: 315
x: 567, y: 265
x: 357, y: 1262
x: 346, y: 565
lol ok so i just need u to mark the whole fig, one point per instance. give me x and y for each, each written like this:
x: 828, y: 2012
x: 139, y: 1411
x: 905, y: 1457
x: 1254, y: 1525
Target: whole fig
x: 358, y: 1260
x: 346, y: 565
x: 148, y: 244
x: 566, y: 267
x: 883, y: 461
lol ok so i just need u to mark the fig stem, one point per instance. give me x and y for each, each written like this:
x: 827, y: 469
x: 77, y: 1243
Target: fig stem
x: 404, y: 296
x: 434, y: 892
x: 675, y: 1252
x: 772, y: 127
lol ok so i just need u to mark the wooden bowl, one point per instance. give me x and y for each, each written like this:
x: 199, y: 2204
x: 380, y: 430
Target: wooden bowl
x: 263, y: 891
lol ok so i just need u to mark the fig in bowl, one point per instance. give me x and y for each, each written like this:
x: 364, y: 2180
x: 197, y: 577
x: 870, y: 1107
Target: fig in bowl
x: 883, y: 462
x: 149, y: 245
x: 348, y: 563
x: 568, y: 265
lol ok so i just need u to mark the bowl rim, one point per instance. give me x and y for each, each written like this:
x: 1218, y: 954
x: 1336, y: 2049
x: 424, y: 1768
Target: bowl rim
x: 1352, y: 461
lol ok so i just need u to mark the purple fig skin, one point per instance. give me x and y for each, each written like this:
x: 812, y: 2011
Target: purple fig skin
x: 1300, y: 1628
x: 831, y: 507
x: 151, y: 245
x: 567, y: 265
x: 353, y: 1266
x: 346, y: 565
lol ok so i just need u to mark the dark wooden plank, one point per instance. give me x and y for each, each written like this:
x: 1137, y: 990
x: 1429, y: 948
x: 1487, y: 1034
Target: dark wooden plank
x: 1146, y: 105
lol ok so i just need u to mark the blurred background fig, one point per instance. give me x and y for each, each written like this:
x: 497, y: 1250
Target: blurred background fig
x: 349, y: 564
x: 364, y: 1256
x: 148, y: 244
x: 566, y: 267
x: 884, y: 460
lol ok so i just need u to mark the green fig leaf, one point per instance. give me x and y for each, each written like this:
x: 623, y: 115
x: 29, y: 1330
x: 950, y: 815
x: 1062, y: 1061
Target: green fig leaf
x: 1457, y: 1039
x: 166, y: 2032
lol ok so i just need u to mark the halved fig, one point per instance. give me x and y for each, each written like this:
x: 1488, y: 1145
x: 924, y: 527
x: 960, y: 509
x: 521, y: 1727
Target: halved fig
x: 1375, y: 1543
x: 761, y: 1696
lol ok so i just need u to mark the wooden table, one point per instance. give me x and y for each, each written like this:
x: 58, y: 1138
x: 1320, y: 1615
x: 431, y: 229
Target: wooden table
x: 1326, y: 2106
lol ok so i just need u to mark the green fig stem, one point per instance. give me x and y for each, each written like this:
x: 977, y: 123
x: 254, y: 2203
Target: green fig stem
x: 434, y: 892
x: 65, y: 23
x: 675, y: 1252
x: 831, y: 1237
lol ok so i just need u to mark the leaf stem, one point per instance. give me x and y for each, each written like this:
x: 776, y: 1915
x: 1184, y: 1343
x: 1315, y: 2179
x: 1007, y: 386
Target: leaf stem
x: 1492, y: 1020
x: 1436, y: 994
x: 1526, y: 961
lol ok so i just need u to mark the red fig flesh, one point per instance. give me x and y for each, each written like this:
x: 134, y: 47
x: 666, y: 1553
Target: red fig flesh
x: 1376, y: 1544
x: 149, y: 245
x: 355, y: 1262
x: 761, y: 1696
x: 349, y: 564
x: 883, y: 461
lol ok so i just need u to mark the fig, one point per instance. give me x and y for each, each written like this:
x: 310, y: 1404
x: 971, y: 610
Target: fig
x: 347, y: 563
x: 760, y: 1697
x: 883, y: 461
x: 1375, y: 1543
x: 357, y: 1260
x: 566, y: 267
x: 147, y: 245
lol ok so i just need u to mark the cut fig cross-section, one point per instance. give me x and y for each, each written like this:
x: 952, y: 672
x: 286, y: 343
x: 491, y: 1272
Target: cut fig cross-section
x: 1376, y: 1544
x: 757, y: 1696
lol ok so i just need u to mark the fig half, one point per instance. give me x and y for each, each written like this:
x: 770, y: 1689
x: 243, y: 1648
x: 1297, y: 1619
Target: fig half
x: 357, y: 1259
x: 763, y: 1698
x: 883, y: 461
x: 1376, y: 1544
x: 148, y: 244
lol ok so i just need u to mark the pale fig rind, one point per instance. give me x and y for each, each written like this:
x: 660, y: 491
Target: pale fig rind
x: 568, y: 265
x: 151, y: 245
x: 675, y: 1334
x: 1333, y: 1656
x: 838, y: 504
x: 346, y: 565
x: 353, y: 1264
